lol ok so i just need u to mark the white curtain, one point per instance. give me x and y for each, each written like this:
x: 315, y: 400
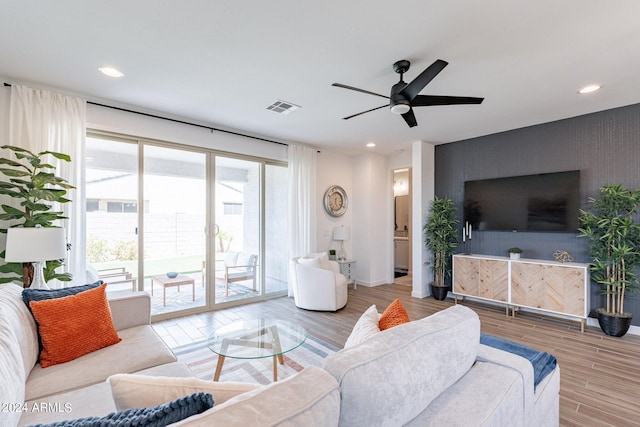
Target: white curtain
x: 302, y: 201
x: 45, y: 121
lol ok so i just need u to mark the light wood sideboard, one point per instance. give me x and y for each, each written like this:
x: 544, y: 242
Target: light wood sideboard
x: 549, y: 286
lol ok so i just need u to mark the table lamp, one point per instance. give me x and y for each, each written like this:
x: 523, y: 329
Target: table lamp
x: 35, y: 245
x: 341, y: 234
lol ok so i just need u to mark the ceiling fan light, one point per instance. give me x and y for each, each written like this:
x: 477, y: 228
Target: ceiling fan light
x: 400, y: 108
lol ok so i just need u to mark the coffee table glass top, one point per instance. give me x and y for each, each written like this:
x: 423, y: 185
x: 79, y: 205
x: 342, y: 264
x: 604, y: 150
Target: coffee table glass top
x: 258, y: 338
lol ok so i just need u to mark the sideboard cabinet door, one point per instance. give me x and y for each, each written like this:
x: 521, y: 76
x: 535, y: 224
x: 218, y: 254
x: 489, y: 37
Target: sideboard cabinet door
x: 480, y: 277
x: 548, y: 287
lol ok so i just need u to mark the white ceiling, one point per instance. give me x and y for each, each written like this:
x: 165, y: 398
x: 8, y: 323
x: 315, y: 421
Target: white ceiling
x: 222, y: 62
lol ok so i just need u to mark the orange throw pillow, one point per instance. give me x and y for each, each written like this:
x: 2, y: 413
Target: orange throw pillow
x: 73, y: 326
x: 393, y: 315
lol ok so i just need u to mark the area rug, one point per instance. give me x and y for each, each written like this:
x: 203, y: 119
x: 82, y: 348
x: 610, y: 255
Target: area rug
x: 203, y: 361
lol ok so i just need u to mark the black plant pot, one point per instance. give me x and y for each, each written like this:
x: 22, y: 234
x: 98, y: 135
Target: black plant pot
x: 615, y: 326
x: 440, y: 292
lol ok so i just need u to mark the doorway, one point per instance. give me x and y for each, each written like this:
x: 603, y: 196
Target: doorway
x: 402, y: 226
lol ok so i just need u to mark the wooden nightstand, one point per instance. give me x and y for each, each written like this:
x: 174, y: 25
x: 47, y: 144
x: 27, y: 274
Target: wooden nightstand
x: 348, y: 268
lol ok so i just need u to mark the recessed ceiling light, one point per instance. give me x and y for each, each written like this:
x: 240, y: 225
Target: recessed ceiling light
x: 371, y: 144
x: 110, y: 71
x: 589, y: 89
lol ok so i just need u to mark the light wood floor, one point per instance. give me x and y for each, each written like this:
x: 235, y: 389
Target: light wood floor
x: 600, y: 375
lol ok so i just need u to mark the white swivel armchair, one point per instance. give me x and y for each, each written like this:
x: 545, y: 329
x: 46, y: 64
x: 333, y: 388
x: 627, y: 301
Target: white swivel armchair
x: 318, y: 284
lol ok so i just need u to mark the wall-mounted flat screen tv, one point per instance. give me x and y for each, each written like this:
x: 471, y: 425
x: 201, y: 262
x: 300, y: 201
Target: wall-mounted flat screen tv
x: 544, y: 202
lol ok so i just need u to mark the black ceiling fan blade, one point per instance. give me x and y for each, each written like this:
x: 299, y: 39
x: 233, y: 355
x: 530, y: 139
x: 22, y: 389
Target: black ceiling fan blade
x: 428, y: 100
x: 412, y: 90
x: 358, y: 90
x: 364, y: 112
x: 410, y: 118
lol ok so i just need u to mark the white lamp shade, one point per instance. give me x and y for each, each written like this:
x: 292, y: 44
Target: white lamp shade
x: 341, y: 233
x: 31, y: 244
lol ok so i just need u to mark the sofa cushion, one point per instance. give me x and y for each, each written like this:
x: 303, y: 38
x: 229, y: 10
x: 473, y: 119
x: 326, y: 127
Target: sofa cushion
x: 90, y: 401
x: 18, y: 348
x: 310, y: 262
x: 130, y: 309
x: 323, y: 259
x: 140, y: 348
x: 310, y: 398
x: 246, y: 261
x: 365, y: 327
x: 74, y: 325
x: 230, y: 258
x: 394, y: 315
x: 136, y: 391
x: 157, y: 416
x: 487, y: 395
x: 392, y: 377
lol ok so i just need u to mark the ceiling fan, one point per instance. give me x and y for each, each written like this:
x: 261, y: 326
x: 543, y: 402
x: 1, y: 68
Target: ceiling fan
x: 404, y: 96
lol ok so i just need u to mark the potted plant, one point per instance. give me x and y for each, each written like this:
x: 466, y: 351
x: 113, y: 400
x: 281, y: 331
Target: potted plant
x: 332, y: 254
x: 614, y: 236
x: 33, y: 183
x: 514, y: 253
x: 441, y: 238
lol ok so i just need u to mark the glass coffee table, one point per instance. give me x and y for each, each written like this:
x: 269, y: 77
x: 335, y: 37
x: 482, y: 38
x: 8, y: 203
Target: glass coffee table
x: 256, y: 339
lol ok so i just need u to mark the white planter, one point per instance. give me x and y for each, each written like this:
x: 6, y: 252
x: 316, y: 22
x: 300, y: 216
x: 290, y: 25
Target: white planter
x: 514, y: 255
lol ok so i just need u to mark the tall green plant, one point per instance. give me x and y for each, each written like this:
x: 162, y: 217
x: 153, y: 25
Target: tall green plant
x: 614, y: 236
x: 32, y: 182
x: 441, y: 237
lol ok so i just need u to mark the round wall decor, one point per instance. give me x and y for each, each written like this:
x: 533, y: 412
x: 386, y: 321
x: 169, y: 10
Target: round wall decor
x: 335, y: 201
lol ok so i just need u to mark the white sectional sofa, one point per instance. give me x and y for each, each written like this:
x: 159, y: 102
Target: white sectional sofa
x: 429, y: 372
x: 31, y: 394
x: 434, y: 372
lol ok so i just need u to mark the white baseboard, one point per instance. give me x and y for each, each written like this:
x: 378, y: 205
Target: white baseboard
x: 371, y: 284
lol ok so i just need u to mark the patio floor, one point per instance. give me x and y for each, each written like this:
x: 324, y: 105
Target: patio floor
x: 181, y: 298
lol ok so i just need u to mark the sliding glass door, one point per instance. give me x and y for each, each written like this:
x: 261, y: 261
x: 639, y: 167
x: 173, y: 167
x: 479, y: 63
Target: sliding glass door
x: 174, y: 223
x: 111, y: 186
x: 192, y: 227
x: 237, y: 229
x: 276, y: 263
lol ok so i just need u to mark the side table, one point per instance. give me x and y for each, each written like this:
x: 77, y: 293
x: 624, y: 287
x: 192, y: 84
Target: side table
x: 348, y: 268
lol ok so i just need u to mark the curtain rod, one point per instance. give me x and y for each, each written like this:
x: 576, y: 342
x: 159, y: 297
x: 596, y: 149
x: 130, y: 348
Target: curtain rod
x: 179, y: 121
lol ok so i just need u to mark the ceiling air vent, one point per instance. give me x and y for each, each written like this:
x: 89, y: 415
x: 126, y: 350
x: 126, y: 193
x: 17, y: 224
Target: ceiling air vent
x: 283, y: 107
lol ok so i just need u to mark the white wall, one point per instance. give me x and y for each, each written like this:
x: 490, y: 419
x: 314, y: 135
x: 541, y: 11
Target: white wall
x: 368, y: 181
x: 372, y: 210
x: 334, y: 169
x: 111, y: 120
x: 423, y: 190
x: 400, y: 160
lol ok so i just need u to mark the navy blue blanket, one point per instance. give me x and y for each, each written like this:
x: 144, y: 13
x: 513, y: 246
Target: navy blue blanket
x: 543, y: 363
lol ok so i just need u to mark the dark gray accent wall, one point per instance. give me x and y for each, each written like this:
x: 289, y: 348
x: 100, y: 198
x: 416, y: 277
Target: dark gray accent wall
x: 604, y: 146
